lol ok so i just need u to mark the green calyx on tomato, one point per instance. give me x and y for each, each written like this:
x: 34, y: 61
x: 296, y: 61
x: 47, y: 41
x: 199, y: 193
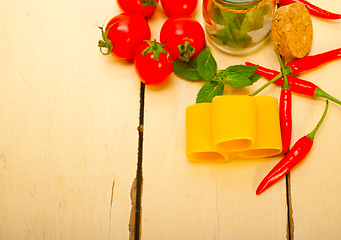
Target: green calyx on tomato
x: 105, y: 42
x: 155, y: 48
x: 151, y: 3
x: 186, y: 51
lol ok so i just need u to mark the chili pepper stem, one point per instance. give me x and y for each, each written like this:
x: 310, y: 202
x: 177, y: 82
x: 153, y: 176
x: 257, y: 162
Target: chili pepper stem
x: 320, y: 93
x: 287, y: 71
x: 285, y: 83
x: 311, y: 135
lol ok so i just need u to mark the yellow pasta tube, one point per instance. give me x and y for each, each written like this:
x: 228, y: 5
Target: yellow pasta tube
x: 199, y: 134
x: 268, y: 140
x: 233, y: 123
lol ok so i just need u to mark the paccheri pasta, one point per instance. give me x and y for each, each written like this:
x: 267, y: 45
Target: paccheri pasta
x: 230, y: 124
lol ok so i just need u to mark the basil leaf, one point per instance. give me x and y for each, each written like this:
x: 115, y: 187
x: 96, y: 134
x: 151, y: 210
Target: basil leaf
x: 215, y: 16
x: 233, y: 20
x: 254, y: 19
x: 242, y: 39
x: 225, y: 36
x: 238, y: 80
x: 209, y: 91
x: 207, y: 66
x: 245, y: 70
x: 231, y: 35
x: 187, y: 70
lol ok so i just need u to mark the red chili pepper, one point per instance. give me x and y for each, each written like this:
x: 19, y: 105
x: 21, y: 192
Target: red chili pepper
x: 310, y: 62
x: 296, y: 154
x: 313, y: 10
x: 285, y: 110
x: 305, y: 64
x: 285, y: 116
x: 297, y: 85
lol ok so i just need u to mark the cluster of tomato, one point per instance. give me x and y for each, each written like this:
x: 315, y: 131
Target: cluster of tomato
x: 127, y: 36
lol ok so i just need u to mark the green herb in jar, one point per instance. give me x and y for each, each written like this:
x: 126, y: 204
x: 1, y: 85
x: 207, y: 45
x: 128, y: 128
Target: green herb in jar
x: 238, y: 27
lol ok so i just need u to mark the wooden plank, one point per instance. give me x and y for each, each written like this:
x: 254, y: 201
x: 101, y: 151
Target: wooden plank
x: 183, y: 200
x: 315, y: 184
x: 68, y: 124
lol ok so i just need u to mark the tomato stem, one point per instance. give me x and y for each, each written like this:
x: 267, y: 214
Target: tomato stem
x: 155, y: 48
x: 186, y: 51
x: 155, y: 45
x: 105, y: 42
x: 285, y: 83
x: 151, y: 3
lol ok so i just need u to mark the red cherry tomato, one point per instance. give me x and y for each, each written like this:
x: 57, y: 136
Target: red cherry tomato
x: 152, y: 63
x: 179, y: 7
x: 123, y: 34
x: 178, y: 30
x: 142, y: 7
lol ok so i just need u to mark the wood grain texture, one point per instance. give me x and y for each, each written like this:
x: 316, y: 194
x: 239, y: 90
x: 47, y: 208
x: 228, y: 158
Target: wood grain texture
x: 68, y: 124
x: 69, y: 140
x: 183, y: 200
x: 315, y: 184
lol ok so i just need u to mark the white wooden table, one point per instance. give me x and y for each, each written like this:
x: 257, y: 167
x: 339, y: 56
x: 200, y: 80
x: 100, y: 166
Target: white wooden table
x: 71, y: 154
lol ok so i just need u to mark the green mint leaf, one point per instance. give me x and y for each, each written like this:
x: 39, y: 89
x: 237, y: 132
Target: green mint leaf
x: 217, y: 78
x: 187, y: 70
x: 209, y: 91
x: 245, y: 70
x: 207, y: 65
x: 238, y: 80
x: 255, y: 77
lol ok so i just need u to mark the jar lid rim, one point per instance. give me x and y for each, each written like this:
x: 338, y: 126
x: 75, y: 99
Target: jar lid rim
x: 240, y: 5
x: 242, y: 1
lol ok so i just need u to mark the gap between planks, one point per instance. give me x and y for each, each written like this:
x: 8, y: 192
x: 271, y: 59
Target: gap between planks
x: 290, y: 227
x: 136, y: 189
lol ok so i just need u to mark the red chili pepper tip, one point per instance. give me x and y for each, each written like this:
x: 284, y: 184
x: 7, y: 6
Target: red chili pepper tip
x: 311, y: 62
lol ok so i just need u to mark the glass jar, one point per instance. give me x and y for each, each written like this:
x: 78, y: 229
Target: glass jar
x: 238, y: 26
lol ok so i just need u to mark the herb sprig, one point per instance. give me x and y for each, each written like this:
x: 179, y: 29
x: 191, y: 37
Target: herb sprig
x: 204, y: 68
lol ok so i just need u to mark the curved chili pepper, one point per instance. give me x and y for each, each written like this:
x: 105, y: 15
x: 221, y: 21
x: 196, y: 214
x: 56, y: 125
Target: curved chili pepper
x: 297, y: 85
x: 285, y: 110
x: 310, y: 62
x: 313, y: 9
x: 296, y: 154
